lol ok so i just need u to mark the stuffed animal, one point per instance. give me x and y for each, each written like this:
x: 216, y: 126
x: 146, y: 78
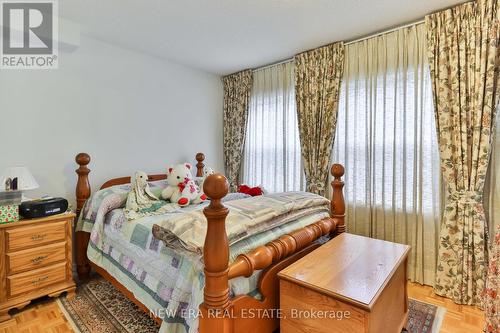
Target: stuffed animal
x: 141, y: 201
x: 207, y: 171
x: 181, y: 187
x: 253, y: 191
x: 140, y: 195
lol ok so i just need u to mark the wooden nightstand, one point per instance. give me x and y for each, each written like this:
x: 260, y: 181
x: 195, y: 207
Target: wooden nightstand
x: 35, y: 260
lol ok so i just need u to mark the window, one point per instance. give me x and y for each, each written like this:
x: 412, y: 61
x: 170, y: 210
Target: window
x: 272, y: 147
x: 386, y: 138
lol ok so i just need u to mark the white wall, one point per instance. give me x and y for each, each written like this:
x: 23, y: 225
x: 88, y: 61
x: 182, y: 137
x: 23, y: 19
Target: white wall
x: 128, y: 110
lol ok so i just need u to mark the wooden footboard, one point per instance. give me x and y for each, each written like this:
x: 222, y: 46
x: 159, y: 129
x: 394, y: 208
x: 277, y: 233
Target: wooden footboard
x: 219, y: 312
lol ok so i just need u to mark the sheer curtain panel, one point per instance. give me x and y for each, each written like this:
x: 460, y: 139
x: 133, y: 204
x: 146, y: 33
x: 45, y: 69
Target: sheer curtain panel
x: 492, y: 187
x: 386, y: 138
x: 272, y: 148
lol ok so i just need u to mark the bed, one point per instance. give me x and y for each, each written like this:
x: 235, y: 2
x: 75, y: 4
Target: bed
x: 228, y: 282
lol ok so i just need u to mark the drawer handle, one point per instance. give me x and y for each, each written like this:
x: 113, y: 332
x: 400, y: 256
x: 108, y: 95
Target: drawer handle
x: 38, y: 260
x: 38, y: 237
x: 40, y: 279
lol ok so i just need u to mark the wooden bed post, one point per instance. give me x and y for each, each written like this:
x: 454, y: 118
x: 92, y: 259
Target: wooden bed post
x: 337, y: 209
x: 83, y: 185
x: 200, y: 157
x: 82, y: 194
x: 216, y: 310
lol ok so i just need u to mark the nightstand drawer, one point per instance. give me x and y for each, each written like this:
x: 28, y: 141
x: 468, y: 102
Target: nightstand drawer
x: 42, y: 256
x: 36, y: 279
x: 35, y: 235
x: 35, y: 260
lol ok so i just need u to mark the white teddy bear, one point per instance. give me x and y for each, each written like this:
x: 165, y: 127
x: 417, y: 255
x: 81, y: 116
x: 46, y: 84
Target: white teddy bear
x: 181, y: 187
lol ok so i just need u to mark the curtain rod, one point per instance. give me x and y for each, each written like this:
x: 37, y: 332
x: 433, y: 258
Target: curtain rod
x: 280, y: 62
x: 385, y: 32
x: 380, y: 33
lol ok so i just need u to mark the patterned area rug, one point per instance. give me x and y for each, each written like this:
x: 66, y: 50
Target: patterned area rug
x: 424, y: 317
x: 99, y: 308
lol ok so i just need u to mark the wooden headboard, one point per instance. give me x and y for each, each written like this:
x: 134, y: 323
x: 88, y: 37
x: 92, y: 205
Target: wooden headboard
x: 83, y: 185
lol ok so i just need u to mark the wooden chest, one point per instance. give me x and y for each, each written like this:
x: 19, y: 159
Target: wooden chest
x: 350, y: 284
x: 35, y: 260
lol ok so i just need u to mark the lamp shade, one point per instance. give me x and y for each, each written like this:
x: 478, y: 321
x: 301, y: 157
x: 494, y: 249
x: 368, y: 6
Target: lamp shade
x: 25, y: 180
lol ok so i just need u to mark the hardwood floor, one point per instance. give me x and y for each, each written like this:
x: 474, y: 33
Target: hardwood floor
x: 41, y: 316
x: 458, y: 318
x: 45, y: 316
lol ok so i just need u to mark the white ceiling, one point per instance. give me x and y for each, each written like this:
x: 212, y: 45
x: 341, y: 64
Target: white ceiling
x: 224, y: 36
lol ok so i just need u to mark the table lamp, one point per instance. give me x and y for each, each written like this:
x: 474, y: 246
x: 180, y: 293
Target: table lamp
x: 25, y: 180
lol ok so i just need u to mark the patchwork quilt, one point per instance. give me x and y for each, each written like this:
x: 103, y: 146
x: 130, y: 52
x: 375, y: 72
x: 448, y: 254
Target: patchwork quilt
x: 251, y: 216
x: 168, y: 279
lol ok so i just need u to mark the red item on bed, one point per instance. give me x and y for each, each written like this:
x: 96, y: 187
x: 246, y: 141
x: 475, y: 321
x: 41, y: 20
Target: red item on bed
x: 253, y: 191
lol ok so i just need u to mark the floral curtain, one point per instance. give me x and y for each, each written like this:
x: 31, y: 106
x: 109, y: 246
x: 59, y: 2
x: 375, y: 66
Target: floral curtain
x: 317, y: 86
x: 464, y: 58
x: 237, y: 89
x: 492, y: 292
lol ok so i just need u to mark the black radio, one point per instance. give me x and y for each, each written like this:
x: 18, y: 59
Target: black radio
x: 43, y: 207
